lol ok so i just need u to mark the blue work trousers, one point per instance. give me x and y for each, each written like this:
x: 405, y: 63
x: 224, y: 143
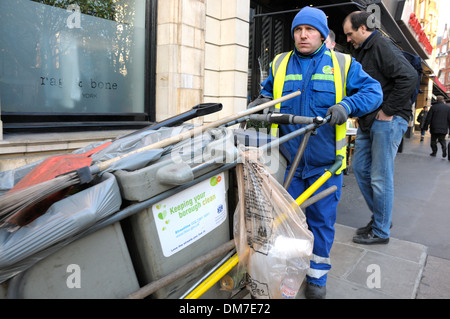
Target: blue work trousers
x: 321, y: 217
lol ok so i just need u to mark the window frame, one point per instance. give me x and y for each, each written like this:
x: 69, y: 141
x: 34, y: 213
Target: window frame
x: 14, y: 122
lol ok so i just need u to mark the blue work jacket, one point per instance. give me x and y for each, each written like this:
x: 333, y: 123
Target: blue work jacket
x: 318, y: 93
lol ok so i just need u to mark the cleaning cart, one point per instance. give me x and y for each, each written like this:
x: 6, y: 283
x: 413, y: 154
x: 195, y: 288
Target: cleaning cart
x: 170, y: 226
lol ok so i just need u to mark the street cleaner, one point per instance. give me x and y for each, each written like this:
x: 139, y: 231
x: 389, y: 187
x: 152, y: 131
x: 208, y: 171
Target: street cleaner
x: 333, y: 84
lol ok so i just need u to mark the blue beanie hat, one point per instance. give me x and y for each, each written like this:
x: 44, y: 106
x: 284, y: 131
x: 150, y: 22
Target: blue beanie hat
x: 313, y: 17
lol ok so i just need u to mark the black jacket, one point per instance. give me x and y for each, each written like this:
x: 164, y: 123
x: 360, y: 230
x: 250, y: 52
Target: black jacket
x: 383, y: 61
x: 421, y: 118
x: 438, y: 118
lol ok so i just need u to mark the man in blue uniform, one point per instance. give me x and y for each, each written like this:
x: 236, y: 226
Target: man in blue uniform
x: 311, y: 68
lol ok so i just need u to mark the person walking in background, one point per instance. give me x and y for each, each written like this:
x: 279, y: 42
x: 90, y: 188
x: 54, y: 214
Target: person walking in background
x: 310, y: 67
x: 421, y: 118
x: 380, y: 132
x: 438, y: 119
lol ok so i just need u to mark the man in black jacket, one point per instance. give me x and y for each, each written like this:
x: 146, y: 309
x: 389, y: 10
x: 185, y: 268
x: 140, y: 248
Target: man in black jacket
x: 438, y: 118
x: 421, y: 118
x: 380, y: 132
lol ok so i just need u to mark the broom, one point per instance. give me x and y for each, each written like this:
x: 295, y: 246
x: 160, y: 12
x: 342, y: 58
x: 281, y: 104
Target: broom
x: 21, y: 199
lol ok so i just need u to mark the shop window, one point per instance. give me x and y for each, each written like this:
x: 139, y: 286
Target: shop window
x: 82, y: 61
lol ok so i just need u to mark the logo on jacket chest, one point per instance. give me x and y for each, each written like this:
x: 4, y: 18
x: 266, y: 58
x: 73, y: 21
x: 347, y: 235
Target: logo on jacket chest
x: 327, y: 69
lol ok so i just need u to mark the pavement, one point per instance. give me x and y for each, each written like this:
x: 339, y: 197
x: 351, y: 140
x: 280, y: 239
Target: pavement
x: 415, y: 264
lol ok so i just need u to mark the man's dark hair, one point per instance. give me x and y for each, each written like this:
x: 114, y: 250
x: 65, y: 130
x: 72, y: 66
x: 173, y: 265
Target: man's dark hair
x: 359, y: 18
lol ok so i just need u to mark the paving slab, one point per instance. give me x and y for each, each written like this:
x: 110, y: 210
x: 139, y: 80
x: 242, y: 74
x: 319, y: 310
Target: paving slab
x: 391, y: 271
x: 435, y: 282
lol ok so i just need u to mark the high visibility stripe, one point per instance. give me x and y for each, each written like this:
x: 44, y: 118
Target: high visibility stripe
x: 294, y: 77
x: 341, y: 143
x: 278, y: 60
x: 279, y: 67
x: 320, y: 260
x: 316, y: 273
x: 325, y: 77
x: 341, y: 63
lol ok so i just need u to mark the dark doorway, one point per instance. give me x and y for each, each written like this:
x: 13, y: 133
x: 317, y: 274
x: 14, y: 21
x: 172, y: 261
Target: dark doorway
x: 270, y: 31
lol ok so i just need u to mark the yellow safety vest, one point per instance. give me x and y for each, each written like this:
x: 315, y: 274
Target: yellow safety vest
x: 340, y: 62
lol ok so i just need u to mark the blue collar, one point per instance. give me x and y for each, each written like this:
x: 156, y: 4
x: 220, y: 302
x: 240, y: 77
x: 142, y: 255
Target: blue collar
x: 321, y: 49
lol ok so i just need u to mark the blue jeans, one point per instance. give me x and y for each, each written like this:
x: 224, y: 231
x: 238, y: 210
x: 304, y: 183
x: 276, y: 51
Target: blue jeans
x: 373, y: 166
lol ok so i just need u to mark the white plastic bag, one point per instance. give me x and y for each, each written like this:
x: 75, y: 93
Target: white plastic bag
x: 272, y: 238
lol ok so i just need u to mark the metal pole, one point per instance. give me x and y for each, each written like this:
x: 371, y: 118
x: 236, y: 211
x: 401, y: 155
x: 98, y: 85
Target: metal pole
x: 180, y: 272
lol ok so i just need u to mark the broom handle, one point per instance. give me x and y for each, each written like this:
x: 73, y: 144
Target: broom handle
x: 197, y: 130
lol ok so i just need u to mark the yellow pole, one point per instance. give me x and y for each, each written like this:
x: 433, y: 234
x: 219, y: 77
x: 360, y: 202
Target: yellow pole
x: 321, y: 180
x: 307, y: 193
x: 215, y: 277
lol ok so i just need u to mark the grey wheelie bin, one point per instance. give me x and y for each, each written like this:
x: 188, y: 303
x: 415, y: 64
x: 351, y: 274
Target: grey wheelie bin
x: 177, y: 230
x: 36, y: 262
x: 186, y: 225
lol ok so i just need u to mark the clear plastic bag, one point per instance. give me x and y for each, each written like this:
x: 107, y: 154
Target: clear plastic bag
x: 272, y: 238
